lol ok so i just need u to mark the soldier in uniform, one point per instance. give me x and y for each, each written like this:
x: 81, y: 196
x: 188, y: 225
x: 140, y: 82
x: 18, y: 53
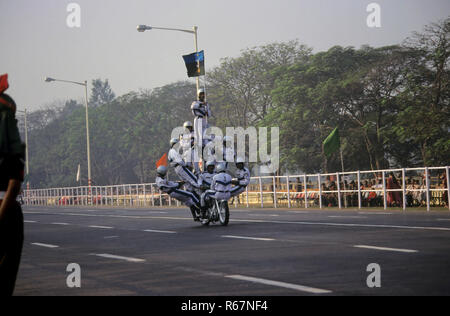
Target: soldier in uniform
x: 201, y: 110
x: 220, y: 187
x: 173, y: 189
x: 205, y: 178
x: 182, y: 171
x: 243, y: 178
x: 11, y: 177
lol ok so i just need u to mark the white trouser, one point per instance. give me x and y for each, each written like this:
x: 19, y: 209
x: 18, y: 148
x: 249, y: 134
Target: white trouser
x: 185, y: 197
x: 200, y: 126
x: 191, y: 181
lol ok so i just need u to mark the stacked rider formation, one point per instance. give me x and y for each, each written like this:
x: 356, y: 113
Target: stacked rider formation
x: 214, y: 181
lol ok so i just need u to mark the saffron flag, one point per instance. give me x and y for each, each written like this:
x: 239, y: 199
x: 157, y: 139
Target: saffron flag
x: 162, y: 161
x: 195, y: 64
x: 332, y: 142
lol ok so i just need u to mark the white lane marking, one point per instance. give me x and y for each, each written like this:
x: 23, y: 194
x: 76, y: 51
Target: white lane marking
x: 101, y: 227
x: 44, y: 245
x: 245, y: 237
x: 63, y: 224
x: 258, y: 221
x: 386, y: 249
x: 29, y: 221
x: 343, y: 224
x: 443, y: 219
x: 373, y: 213
x: 109, y: 256
x: 160, y: 231
x: 110, y: 237
x: 296, y: 287
x: 345, y: 216
x: 299, y: 212
x: 112, y: 216
x: 273, y: 215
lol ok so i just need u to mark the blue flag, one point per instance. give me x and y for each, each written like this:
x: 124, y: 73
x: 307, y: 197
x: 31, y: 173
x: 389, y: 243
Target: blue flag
x: 195, y: 64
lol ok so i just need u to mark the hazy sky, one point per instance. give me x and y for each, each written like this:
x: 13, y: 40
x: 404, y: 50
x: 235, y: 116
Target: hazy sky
x: 36, y: 41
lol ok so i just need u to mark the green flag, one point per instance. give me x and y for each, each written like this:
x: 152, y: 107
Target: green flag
x: 331, y: 143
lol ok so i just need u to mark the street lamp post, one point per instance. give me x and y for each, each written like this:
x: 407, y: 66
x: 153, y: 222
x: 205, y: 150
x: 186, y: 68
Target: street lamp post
x: 143, y: 28
x: 48, y: 79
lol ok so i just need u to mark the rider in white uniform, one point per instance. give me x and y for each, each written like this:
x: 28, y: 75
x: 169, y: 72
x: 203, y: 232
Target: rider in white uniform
x: 191, y: 157
x: 243, y: 178
x: 187, y: 137
x: 183, y: 172
x: 206, y: 177
x: 220, y: 186
x: 173, y: 189
x: 201, y: 110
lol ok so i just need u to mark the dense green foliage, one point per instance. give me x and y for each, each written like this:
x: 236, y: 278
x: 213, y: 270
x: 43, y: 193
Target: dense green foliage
x: 391, y: 105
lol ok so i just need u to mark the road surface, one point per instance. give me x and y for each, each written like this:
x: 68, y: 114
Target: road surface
x: 162, y: 251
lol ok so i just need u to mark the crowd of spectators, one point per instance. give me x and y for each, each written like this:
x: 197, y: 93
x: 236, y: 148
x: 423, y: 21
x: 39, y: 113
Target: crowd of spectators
x: 372, y: 192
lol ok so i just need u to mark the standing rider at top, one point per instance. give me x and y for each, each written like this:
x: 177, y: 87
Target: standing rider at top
x: 202, y: 111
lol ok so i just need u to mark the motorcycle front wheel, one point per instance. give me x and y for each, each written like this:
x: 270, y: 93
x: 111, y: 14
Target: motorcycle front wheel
x: 224, y: 213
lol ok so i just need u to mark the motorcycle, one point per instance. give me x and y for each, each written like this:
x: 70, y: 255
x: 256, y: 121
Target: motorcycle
x: 218, y: 211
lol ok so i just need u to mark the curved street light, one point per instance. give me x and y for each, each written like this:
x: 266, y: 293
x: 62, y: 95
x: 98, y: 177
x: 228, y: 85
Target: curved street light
x: 49, y: 79
x: 142, y: 28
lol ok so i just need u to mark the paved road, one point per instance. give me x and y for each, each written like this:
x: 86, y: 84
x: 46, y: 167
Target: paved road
x: 261, y: 252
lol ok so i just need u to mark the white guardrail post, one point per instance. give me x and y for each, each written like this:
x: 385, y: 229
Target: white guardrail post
x: 274, y: 191
x: 288, y: 192
x: 359, y: 190
x: 448, y: 186
x: 319, y: 181
x: 427, y: 182
x: 305, y: 185
x: 261, y: 192
x: 404, y: 188
x: 339, y: 190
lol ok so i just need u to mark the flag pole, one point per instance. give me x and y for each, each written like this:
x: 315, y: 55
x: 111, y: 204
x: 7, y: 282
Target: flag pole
x: 197, y: 79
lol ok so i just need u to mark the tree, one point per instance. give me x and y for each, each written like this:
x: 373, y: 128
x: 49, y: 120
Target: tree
x: 101, y: 93
x: 241, y: 86
x: 425, y: 116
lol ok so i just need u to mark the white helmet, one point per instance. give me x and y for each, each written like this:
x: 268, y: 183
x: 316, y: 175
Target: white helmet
x: 161, y: 171
x: 173, y: 142
x: 221, y: 167
x: 201, y: 90
x: 210, y: 163
x: 240, y: 160
x: 187, y: 124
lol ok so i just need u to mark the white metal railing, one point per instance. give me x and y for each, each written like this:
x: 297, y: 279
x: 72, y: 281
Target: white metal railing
x: 427, y: 187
